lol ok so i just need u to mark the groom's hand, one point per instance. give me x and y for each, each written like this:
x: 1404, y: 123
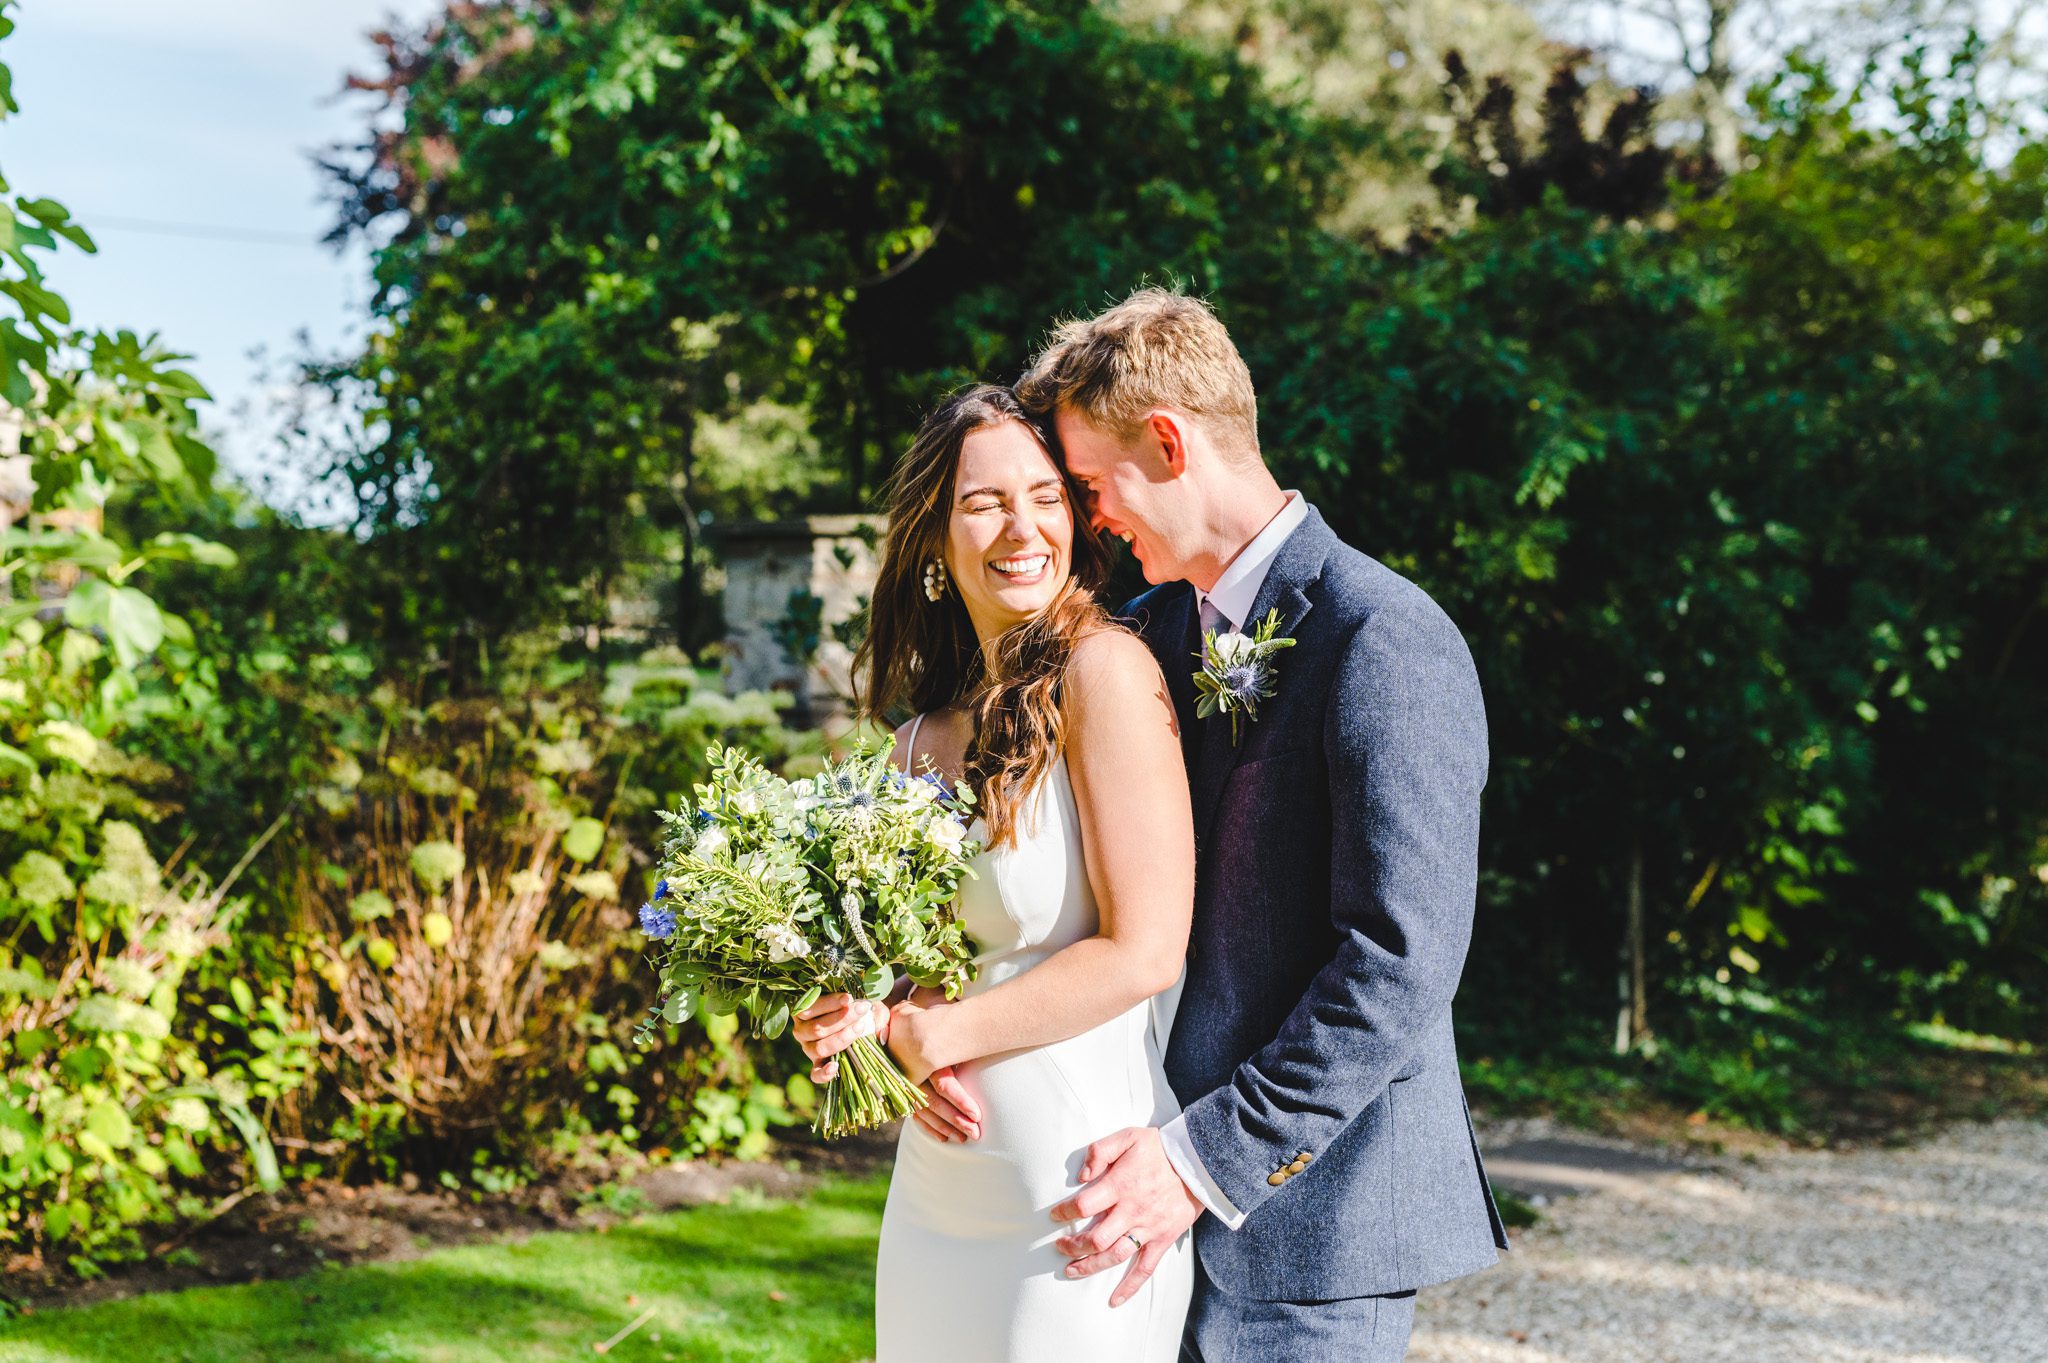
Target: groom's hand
x: 1132, y: 1190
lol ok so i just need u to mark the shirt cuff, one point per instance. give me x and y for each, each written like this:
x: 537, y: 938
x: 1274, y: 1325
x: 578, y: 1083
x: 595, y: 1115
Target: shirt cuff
x: 1180, y: 1153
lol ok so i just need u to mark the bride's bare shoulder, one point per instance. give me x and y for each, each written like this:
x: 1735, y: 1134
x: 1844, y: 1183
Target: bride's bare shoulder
x: 1112, y: 657
x: 1121, y: 724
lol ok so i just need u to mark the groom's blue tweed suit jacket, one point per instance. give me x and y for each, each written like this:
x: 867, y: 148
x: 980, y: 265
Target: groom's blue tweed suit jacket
x: 1336, y: 867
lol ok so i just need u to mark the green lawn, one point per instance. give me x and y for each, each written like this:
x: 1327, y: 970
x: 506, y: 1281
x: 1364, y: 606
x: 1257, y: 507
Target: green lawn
x: 712, y: 1274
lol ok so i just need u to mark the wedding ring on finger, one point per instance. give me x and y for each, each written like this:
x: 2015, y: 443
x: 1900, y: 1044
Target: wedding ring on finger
x: 1132, y: 1236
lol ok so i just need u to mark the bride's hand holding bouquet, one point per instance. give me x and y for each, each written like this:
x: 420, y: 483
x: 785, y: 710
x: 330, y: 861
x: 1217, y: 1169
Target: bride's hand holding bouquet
x: 903, y: 1025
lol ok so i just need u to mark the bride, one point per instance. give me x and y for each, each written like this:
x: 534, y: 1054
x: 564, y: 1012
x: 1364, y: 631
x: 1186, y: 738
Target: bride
x: 985, y: 624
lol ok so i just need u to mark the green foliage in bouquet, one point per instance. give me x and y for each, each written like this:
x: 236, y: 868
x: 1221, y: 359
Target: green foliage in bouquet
x: 775, y: 892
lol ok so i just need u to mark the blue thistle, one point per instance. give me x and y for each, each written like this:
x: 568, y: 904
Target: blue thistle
x: 1245, y: 681
x: 658, y: 923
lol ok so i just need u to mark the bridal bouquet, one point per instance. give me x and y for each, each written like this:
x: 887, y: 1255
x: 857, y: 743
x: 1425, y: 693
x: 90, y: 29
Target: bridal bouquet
x: 774, y: 892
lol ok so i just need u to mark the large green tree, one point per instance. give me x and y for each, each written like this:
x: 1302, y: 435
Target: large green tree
x: 1738, y: 494
x: 605, y: 224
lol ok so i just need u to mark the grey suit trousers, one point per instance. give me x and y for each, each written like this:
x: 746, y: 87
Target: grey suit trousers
x: 1223, y: 1328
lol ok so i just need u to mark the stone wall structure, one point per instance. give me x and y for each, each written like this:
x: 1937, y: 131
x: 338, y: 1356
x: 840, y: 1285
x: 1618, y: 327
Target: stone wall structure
x: 791, y: 587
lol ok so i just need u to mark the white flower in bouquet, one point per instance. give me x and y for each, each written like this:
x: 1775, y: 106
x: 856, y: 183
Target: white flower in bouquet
x: 784, y: 943
x: 946, y: 832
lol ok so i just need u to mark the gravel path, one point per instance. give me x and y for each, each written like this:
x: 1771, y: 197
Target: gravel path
x: 1936, y: 1253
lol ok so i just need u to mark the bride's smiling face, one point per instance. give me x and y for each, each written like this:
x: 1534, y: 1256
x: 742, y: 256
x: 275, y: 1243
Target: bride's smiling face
x: 1010, y: 536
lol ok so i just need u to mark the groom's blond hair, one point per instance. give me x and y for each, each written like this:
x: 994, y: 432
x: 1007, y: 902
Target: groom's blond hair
x: 1155, y: 349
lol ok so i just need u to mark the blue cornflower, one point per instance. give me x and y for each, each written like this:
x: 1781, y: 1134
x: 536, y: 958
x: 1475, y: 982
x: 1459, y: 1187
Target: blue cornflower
x: 658, y: 923
x: 661, y: 889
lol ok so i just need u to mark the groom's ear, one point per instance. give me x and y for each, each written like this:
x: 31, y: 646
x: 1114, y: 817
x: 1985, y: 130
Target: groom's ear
x: 1165, y: 428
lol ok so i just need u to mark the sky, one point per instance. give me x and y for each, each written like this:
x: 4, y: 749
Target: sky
x: 149, y: 117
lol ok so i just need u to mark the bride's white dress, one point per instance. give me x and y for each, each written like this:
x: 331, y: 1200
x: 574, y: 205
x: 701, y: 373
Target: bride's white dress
x: 967, y: 1271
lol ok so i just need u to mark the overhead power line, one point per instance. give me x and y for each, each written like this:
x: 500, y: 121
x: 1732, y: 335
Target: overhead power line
x: 199, y: 230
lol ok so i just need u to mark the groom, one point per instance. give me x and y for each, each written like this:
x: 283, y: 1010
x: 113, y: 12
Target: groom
x: 1324, y: 1127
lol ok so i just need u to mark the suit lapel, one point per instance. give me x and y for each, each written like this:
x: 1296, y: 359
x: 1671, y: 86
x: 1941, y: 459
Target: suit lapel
x: 1296, y: 568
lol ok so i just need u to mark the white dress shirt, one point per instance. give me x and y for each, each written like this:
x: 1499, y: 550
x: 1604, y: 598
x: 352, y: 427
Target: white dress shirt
x: 1232, y: 598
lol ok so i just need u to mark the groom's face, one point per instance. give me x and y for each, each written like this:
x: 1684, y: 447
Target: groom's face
x: 1135, y: 488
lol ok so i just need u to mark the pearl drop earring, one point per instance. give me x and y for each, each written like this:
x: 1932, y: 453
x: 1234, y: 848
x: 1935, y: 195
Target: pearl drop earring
x: 935, y: 579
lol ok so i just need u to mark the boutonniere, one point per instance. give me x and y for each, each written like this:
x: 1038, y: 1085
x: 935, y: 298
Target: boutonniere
x: 1238, y: 672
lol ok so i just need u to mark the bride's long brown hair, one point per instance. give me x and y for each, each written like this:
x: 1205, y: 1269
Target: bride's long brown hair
x: 923, y: 655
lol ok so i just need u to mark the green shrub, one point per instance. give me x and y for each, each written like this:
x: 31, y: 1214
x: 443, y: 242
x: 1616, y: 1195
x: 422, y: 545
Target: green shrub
x: 110, y: 1113
x: 103, y: 1100
x: 461, y: 921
